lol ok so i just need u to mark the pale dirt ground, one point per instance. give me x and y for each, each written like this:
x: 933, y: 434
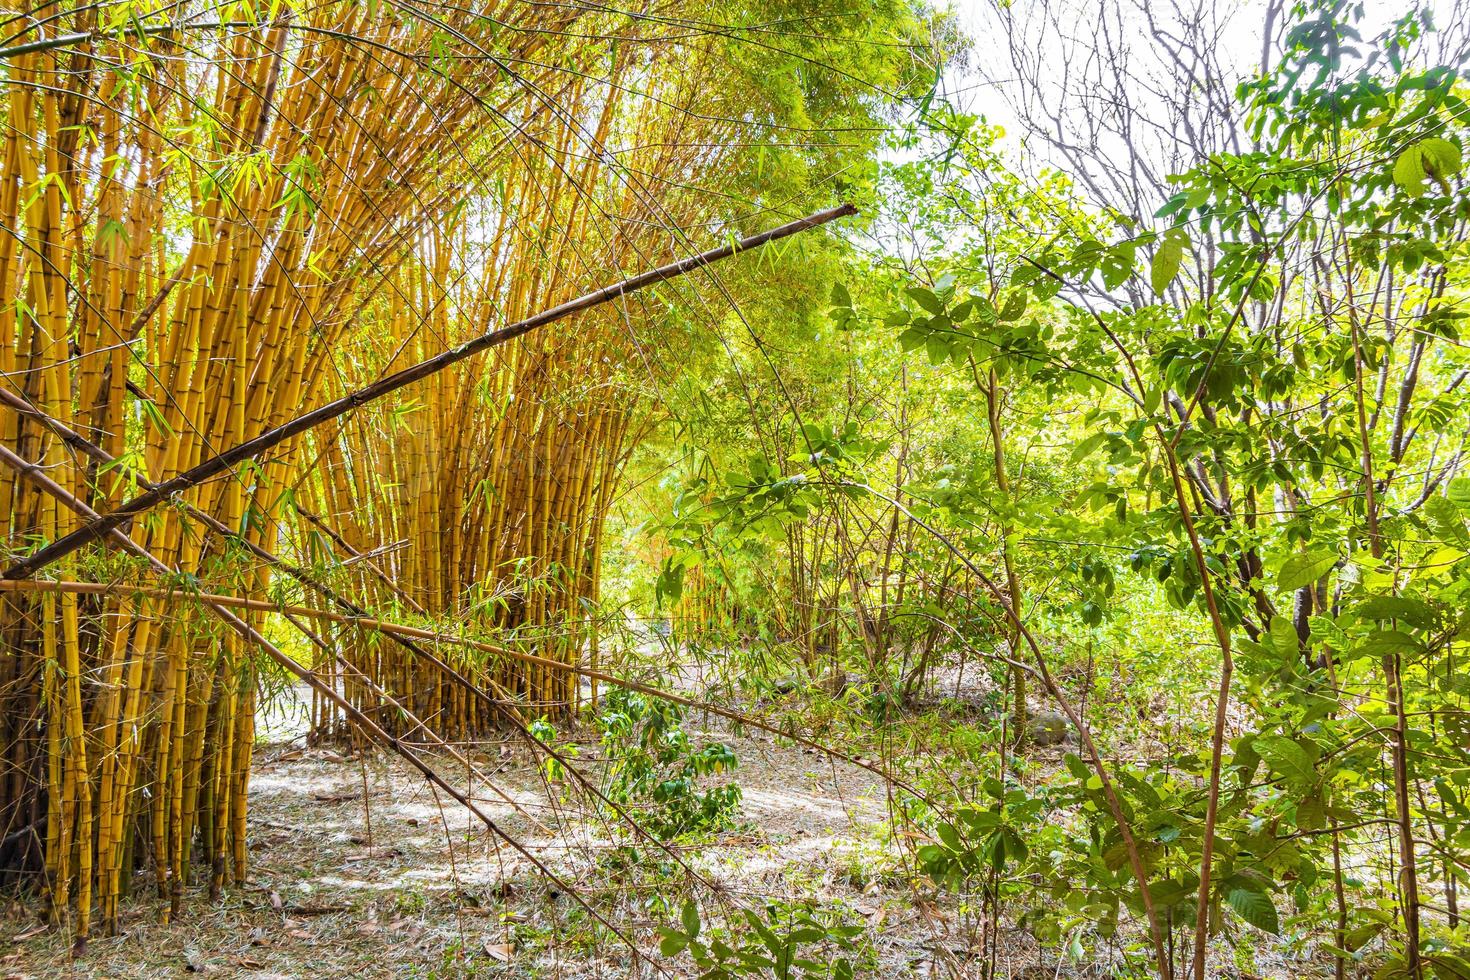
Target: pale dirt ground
x: 399, y: 883
x: 396, y: 882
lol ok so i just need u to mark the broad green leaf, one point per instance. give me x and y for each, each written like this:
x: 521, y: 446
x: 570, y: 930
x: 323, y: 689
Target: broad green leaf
x: 1117, y: 264
x: 1459, y: 491
x: 1171, y: 892
x: 690, y: 918
x: 1015, y: 307
x: 1311, y: 813
x: 1448, y: 523
x: 1408, y: 171
x: 1005, y: 845
x: 1448, y: 966
x: 1089, y: 445
x: 1359, y: 936
x: 1384, y: 642
x: 1255, y: 907
x: 1286, y: 757
x: 1165, y: 264
x: 978, y: 819
x: 1434, y: 159
x: 1246, y: 758
x: 672, y: 943
x: 1283, y: 638
x: 926, y: 298
x: 1394, y: 607
x: 1393, y: 969
x: 1304, y: 569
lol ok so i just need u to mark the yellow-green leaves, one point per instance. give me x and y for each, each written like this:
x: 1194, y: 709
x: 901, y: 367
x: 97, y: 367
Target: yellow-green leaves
x: 1288, y: 759
x: 1284, y: 640
x: 1433, y: 159
x: 931, y: 302
x: 1117, y: 263
x: 844, y: 316
x: 1384, y: 643
x: 1304, y: 569
x: 1167, y: 259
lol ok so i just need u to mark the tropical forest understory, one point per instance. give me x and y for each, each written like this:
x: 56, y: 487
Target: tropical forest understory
x: 803, y: 490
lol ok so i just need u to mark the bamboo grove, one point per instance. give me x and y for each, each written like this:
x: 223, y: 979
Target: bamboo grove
x: 220, y: 217
x: 496, y: 479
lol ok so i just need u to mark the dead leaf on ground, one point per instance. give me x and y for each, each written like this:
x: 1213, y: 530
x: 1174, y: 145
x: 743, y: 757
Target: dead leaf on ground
x: 379, y: 852
x: 335, y: 797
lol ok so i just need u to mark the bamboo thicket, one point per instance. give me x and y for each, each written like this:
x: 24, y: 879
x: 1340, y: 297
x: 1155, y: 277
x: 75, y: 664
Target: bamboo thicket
x: 221, y: 216
x: 479, y: 500
x: 193, y: 212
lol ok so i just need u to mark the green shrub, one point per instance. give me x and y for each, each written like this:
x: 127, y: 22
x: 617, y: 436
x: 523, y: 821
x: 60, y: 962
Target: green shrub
x: 654, y: 769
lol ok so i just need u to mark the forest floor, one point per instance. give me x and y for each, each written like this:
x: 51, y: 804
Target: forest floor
x: 396, y: 882
x: 358, y: 869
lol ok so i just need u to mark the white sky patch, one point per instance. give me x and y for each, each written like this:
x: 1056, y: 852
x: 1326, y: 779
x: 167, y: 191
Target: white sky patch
x: 1238, y: 26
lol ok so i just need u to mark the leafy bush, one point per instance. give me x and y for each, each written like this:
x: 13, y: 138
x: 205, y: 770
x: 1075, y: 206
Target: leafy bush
x: 655, y: 769
x: 771, y: 945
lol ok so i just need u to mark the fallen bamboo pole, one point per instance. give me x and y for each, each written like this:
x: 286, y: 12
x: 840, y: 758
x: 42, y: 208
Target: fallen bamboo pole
x: 85, y: 446
x: 355, y: 613
x: 38, y: 476
x: 382, y: 626
x: 99, y: 526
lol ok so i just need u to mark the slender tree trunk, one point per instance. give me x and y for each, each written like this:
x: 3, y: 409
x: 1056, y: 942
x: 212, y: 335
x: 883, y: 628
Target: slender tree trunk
x: 993, y: 396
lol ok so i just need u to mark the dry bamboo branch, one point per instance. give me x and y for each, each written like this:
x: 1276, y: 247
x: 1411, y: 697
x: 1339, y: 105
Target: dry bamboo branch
x: 366, y: 724
x: 357, y: 614
x: 378, y: 625
x: 253, y: 448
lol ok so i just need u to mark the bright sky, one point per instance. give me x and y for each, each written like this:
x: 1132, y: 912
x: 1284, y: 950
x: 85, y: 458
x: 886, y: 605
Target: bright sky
x: 1240, y: 26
